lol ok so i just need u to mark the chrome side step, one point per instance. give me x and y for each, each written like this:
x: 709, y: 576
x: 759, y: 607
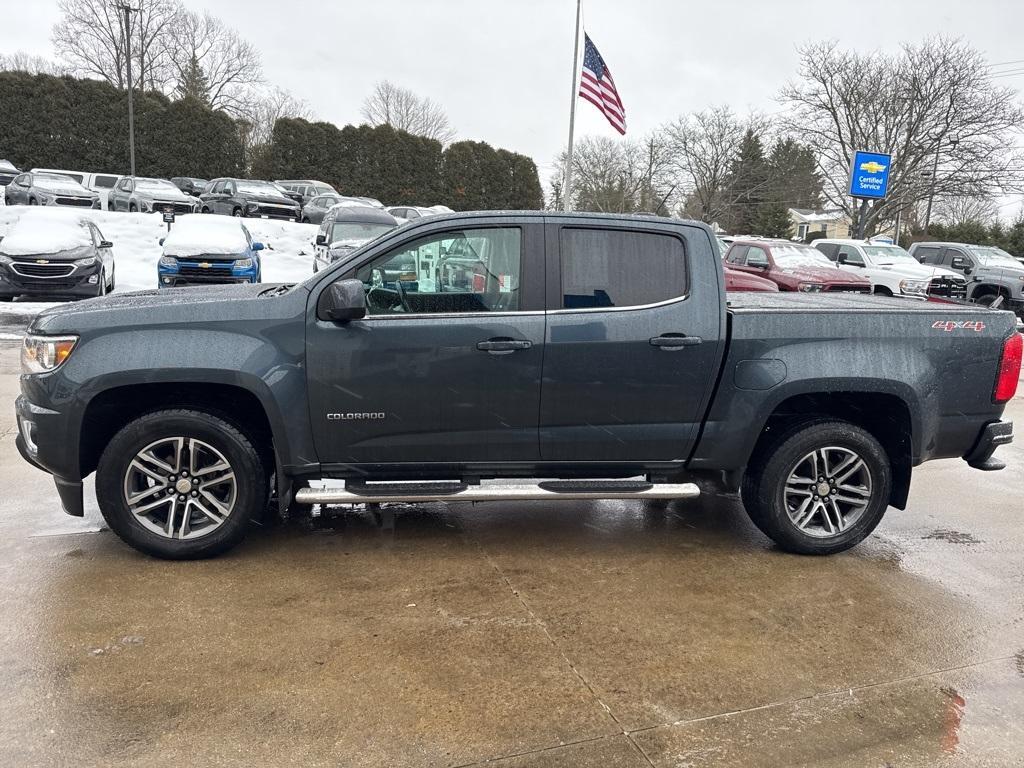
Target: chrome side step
x: 377, y: 493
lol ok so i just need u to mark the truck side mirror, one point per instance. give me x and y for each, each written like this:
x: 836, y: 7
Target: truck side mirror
x: 344, y: 300
x: 841, y: 258
x: 321, y: 239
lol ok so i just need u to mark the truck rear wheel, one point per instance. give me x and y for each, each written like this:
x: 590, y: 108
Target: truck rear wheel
x: 180, y: 484
x: 820, y: 488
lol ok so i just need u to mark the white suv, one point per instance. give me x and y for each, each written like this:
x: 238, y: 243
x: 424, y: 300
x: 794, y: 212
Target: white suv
x: 891, y: 270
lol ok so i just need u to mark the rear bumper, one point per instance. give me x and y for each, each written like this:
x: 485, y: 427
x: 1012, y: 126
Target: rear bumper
x: 992, y: 436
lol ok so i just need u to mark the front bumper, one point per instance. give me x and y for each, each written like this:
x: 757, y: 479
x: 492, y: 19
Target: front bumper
x: 84, y: 282
x: 42, y: 442
x: 992, y: 435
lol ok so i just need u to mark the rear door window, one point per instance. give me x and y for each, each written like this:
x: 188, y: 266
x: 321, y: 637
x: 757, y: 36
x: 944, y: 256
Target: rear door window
x: 829, y: 249
x: 928, y: 254
x: 736, y: 254
x: 756, y: 257
x: 603, y: 268
x: 105, y: 182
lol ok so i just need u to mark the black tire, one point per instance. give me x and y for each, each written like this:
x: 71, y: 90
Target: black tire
x: 250, y: 482
x: 238, y: 213
x: 306, y: 220
x: 987, y: 300
x: 764, y: 485
x: 113, y: 281
x: 32, y: 201
x: 882, y: 291
x: 101, y: 286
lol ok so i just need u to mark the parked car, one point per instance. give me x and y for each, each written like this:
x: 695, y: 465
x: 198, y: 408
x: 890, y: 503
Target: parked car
x: 736, y: 280
x: 204, y: 250
x: 404, y: 213
x: 7, y: 172
x: 101, y: 183
x: 39, y: 188
x: 55, y: 253
x: 792, y: 267
x: 145, y: 195
x: 346, y: 228
x: 307, y: 189
x: 248, y: 199
x: 991, y: 272
x: 317, y: 208
x: 372, y: 202
x: 223, y: 398
x: 891, y: 270
x: 190, y: 185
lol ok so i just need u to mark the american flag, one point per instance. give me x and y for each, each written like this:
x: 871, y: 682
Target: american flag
x: 598, y: 87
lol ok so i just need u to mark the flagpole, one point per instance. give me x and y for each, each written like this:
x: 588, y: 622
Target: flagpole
x: 567, y: 187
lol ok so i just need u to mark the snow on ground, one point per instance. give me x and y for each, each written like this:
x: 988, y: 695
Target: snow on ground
x: 287, y: 258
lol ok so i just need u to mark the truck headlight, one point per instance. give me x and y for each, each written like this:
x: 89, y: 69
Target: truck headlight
x: 811, y: 287
x: 251, y: 206
x: 86, y: 262
x: 243, y: 263
x: 45, y: 199
x: 42, y: 354
x: 914, y: 287
x: 169, y: 261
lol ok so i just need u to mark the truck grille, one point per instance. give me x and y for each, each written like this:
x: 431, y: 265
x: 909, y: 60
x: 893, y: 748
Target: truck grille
x: 848, y: 289
x: 948, y: 288
x: 83, y: 201
x: 266, y: 209
x: 176, y: 207
x: 42, y: 270
x: 215, y: 268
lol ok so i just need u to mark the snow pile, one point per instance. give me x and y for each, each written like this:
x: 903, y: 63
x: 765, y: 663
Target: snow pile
x: 205, y: 235
x: 288, y: 257
x: 42, y: 231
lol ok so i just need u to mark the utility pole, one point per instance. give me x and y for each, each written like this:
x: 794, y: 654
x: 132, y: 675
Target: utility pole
x: 567, y: 187
x: 128, y: 11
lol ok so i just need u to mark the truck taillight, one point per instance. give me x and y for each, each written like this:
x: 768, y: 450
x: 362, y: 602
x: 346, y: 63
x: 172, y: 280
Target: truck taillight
x: 1009, y: 369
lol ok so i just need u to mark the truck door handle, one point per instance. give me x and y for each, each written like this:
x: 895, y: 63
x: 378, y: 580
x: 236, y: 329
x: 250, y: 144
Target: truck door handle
x: 499, y: 346
x: 675, y: 341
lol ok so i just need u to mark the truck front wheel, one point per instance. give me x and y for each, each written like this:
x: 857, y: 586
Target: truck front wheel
x: 819, y: 488
x: 180, y: 484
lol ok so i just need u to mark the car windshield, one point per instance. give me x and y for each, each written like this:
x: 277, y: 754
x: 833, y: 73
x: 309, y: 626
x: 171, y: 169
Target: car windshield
x: 990, y: 256
x: 155, y: 185
x: 799, y: 256
x: 888, y: 254
x: 258, y: 188
x: 55, y: 181
x: 351, y: 230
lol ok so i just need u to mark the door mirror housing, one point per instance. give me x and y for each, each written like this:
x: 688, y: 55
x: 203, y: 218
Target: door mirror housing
x: 258, y: 246
x: 321, y: 239
x: 108, y: 244
x: 343, y: 301
x: 841, y: 258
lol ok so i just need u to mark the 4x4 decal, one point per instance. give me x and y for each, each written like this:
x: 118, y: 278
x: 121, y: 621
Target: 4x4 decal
x: 958, y: 325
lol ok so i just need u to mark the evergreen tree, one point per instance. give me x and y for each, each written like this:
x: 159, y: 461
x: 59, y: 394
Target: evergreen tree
x: 773, y: 221
x: 795, y: 181
x: 747, y: 185
x: 194, y: 84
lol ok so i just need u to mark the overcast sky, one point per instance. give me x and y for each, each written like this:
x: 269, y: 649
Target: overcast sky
x: 502, y: 69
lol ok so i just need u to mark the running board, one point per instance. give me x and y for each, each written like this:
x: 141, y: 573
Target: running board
x: 377, y: 493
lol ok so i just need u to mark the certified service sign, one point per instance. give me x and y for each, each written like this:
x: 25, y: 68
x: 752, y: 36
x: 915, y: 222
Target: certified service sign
x: 869, y: 176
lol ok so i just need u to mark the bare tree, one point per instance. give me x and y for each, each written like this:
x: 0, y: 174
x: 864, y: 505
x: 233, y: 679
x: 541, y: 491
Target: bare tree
x: 957, y: 211
x: 19, y: 61
x: 705, y: 145
x: 933, y: 107
x: 619, y: 176
x: 400, y: 108
x: 90, y: 38
x: 229, y: 64
x: 259, y: 110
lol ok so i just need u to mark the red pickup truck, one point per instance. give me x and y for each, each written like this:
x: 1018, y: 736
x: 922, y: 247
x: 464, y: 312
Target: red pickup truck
x: 792, y: 267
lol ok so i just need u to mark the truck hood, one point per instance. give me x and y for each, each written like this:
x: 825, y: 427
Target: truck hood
x: 177, y: 307
x: 275, y: 199
x: 917, y: 271
x: 822, y: 275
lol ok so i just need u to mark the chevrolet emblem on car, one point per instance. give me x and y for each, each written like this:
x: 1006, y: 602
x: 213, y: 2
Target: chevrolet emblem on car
x: 42, y: 261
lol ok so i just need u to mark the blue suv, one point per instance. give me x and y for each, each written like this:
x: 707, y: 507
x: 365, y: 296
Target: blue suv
x: 204, y: 250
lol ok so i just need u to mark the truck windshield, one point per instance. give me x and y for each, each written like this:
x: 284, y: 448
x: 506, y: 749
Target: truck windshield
x: 991, y: 256
x: 888, y: 254
x: 348, y: 230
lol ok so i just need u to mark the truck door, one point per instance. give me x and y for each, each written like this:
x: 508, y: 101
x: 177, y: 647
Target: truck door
x: 441, y: 370
x: 634, y: 340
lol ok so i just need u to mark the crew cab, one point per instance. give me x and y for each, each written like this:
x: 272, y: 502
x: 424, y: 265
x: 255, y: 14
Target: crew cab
x: 891, y: 270
x: 792, y: 267
x: 589, y: 356
x: 991, y: 272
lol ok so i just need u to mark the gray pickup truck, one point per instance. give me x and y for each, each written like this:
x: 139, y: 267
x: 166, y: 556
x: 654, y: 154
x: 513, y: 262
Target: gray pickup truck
x: 569, y: 357
x: 991, y: 272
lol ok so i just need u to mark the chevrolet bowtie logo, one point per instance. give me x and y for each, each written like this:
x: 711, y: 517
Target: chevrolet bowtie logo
x: 873, y: 167
x: 204, y: 264
x: 42, y: 261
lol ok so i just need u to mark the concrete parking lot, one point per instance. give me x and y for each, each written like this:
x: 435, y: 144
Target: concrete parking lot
x: 579, y: 634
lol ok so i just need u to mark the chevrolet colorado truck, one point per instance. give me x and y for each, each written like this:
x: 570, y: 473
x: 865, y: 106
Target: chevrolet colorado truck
x: 578, y: 356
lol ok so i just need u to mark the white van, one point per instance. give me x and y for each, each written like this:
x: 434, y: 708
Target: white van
x: 97, y: 182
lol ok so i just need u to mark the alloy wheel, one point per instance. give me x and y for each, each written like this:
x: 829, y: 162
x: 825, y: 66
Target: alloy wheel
x: 180, y: 488
x: 827, y: 491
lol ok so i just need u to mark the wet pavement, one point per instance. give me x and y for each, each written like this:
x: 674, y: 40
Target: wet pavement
x: 575, y: 634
